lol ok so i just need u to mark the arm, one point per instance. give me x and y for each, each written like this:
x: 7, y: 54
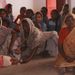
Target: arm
x: 17, y: 19
x: 12, y: 41
x: 27, y: 59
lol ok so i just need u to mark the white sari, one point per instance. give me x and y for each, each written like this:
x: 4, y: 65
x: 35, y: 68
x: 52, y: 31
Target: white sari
x: 37, y: 37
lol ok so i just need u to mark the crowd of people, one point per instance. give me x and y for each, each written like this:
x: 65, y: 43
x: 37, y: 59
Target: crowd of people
x: 33, y: 34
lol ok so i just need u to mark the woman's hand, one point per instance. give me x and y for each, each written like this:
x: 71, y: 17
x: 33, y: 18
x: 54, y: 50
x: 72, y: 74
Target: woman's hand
x: 14, y: 61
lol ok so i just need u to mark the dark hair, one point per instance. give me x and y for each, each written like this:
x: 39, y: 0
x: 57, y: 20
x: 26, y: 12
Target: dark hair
x: 66, y: 9
x: 44, y: 10
x: 29, y: 13
x: 2, y: 10
x: 66, y: 6
x: 38, y: 13
x: 8, y: 6
x: 23, y: 9
x: 55, y: 12
x: 73, y: 10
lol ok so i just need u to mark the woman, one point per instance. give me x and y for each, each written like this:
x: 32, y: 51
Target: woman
x: 39, y: 23
x: 65, y: 57
x: 32, y: 38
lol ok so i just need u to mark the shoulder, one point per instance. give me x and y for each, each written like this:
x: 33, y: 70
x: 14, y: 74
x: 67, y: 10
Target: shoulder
x: 63, y: 29
x: 18, y: 16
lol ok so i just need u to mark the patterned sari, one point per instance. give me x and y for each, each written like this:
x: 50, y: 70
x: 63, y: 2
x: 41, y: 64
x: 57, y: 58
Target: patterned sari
x: 68, y: 39
x: 69, y: 44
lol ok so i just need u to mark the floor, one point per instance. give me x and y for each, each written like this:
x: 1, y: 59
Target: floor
x: 34, y: 67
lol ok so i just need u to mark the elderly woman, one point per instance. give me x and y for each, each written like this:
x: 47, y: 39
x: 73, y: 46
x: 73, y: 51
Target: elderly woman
x: 66, y: 44
x: 32, y: 38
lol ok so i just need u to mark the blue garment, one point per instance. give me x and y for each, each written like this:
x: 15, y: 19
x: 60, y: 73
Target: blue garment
x: 51, y: 25
x: 43, y: 26
x: 10, y: 20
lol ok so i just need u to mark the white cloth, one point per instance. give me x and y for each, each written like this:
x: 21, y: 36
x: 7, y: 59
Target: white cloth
x: 37, y: 37
x: 5, y: 61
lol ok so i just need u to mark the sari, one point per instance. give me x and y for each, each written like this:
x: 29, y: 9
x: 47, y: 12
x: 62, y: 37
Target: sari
x: 69, y: 44
x: 36, y: 37
x: 67, y: 38
x: 5, y: 39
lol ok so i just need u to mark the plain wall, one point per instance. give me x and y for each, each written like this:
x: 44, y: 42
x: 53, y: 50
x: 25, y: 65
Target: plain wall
x: 2, y: 3
x: 72, y: 3
x: 38, y: 4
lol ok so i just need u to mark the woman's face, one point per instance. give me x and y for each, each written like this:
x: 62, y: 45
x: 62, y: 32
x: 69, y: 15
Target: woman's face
x: 39, y: 18
x: 70, y: 21
x: 26, y: 27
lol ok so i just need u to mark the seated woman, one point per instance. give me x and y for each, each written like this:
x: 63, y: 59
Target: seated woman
x: 39, y: 23
x: 32, y: 38
x: 7, y: 37
x: 66, y: 55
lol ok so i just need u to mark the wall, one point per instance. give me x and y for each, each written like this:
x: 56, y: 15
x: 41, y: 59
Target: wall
x: 37, y: 4
x: 51, y: 4
x: 2, y: 3
x: 72, y: 3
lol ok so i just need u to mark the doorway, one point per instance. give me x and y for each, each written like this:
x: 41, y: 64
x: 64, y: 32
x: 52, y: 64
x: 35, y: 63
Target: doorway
x: 54, y: 4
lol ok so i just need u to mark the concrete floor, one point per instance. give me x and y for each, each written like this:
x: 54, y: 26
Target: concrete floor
x: 34, y: 67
